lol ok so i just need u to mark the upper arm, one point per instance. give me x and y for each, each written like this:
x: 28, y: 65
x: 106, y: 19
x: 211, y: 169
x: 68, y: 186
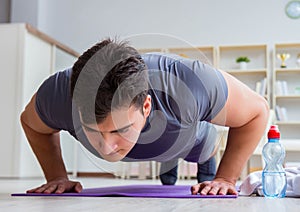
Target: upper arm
x: 31, y: 118
x: 242, y: 105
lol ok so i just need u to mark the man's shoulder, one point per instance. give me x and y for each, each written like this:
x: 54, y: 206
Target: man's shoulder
x: 59, y: 79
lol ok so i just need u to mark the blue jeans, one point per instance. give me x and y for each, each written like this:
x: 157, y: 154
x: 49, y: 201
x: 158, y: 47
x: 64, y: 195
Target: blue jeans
x: 205, y: 172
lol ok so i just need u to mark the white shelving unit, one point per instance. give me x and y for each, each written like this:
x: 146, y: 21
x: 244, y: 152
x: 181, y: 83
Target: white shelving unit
x: 286, y: 97
x: 256, y: 75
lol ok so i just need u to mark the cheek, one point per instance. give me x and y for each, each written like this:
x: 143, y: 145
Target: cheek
x: 130, y: 136
x: 94, y: 139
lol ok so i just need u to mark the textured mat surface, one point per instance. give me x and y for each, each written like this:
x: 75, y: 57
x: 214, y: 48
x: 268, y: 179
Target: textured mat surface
x: 150, y: 191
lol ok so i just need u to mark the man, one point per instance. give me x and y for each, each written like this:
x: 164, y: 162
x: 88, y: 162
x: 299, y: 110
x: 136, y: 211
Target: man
x: 123, y: 106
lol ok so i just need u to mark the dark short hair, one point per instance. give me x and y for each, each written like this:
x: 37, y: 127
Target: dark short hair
x: 110, y: 75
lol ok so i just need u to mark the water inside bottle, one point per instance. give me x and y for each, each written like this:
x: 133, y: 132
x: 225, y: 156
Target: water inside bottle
x: 274, y: 184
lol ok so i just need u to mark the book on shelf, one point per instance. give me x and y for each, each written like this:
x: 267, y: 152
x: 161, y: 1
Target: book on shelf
x: 261, y: 86
x: 281, y: 88
x: 281, y: 113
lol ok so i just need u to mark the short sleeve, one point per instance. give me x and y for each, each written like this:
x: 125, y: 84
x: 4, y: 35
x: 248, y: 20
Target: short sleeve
x: 53, y: 101
x: 208, y: 86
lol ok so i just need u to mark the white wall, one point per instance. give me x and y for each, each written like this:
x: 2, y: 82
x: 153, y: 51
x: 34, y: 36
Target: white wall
x: 201, y: 22
x: 24, y: 11
x: 80, y: 24
x: 4, y: 11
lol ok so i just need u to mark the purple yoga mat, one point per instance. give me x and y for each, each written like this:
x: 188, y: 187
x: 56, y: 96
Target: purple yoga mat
x: 152, y: 191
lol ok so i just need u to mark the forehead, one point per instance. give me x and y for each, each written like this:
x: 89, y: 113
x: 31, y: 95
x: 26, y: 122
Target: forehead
x: 119, y: 118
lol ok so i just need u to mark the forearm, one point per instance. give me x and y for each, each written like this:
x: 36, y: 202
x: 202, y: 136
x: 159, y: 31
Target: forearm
x: 47, y: 149
x: 241, y: 143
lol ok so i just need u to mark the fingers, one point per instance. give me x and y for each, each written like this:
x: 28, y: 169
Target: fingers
x: 78, y: 187
x: 31, y: 190
x: 60, y: 189
x: 195, y: 189
x: 57, y: 187
x: 39, y: 189
x: 213, y: 188
x: 46, y: 188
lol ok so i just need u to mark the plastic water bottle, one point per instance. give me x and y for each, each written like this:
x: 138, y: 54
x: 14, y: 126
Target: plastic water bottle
x: 273, y: 176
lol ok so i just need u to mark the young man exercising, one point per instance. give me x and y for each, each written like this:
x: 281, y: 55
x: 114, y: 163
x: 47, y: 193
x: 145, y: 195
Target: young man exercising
x: 125, y: 106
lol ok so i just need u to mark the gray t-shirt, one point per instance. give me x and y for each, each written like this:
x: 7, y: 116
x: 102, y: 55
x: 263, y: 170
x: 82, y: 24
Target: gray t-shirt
x: 186, y: 94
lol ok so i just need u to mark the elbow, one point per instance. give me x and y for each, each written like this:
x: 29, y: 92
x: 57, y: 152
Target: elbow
x: 264, y: 110
x: 22, y: 118
x: 265, y: 106
x: 24, y: 123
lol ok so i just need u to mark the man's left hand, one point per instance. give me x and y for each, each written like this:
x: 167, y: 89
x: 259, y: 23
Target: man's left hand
x: 218, y: 186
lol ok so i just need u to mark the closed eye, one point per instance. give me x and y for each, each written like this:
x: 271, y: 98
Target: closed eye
x: 123, y: 130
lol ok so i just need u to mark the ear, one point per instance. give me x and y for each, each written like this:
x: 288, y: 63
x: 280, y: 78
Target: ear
x: 147, y: 106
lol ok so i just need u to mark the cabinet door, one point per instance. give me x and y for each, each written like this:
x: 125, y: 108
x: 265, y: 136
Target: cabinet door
x: 9, y: 54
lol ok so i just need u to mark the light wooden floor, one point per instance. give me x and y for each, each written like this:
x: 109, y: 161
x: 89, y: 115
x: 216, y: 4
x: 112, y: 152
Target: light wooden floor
x: 56, y: 204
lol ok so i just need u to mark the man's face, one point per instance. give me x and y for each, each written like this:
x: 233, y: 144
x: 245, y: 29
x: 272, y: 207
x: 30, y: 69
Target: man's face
x: 118, y: 133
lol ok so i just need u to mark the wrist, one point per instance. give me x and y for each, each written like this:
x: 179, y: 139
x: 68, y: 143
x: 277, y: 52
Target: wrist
x: 225, y: 179
x: 57, y: 178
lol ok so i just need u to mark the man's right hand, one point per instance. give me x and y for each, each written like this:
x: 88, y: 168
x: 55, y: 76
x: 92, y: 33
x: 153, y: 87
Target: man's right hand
x: 58, y: 186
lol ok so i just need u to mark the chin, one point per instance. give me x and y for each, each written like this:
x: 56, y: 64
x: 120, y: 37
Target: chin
x: 120, y: 155
x: 113, y: 159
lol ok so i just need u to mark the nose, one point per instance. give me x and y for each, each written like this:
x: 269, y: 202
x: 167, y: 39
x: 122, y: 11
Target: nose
x: 109, y: 145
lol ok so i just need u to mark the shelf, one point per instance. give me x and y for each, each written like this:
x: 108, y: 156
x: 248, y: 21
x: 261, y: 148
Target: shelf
x: 287, y: 70
x: 244, y: 47
x: 202, y: 48
x: 287, y: 45
x: 257, y: 54
x: 143, y: 51
x: 288, y: 97
x: 247, y: 71
x: 287, y: 122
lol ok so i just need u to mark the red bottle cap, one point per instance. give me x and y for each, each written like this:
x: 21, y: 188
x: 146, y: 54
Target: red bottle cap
x: 273, y: 132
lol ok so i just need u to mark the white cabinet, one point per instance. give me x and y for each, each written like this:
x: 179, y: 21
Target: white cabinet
x: 28, y: 57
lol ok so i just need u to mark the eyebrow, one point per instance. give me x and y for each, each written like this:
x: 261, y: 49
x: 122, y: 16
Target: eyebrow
x: 123, y: 128
x: 89, y: 128
x: 113, y: 131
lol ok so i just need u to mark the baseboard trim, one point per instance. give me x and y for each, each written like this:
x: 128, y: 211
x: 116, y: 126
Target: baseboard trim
x: 95, y: 174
